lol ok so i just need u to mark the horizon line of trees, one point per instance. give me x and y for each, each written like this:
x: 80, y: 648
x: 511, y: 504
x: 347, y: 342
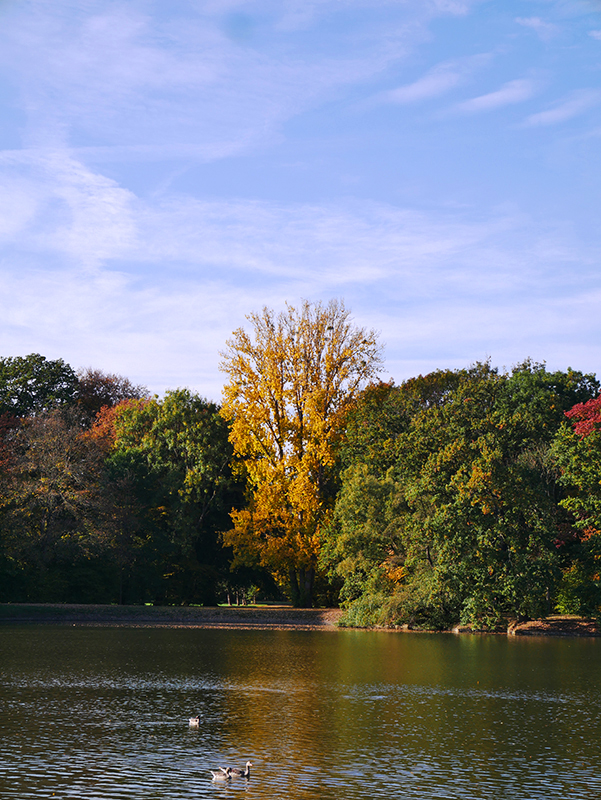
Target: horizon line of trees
x: 470, y: 495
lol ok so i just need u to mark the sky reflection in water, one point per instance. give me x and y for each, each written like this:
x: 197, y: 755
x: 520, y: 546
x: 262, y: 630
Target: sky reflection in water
x: 102, y: 713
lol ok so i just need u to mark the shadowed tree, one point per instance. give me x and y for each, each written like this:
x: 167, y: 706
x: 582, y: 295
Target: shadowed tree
x: 54, y: 513
x: 97, y: 389
x: 578, y: 452
x: 171, y: 460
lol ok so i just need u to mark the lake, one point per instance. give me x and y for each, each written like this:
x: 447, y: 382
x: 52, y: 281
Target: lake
x: 92, y: 713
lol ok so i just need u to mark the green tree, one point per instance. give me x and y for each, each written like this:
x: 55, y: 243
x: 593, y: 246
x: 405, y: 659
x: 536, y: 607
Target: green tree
x: 171, y: 458
x: 467, y: 523
x: 32, y: 384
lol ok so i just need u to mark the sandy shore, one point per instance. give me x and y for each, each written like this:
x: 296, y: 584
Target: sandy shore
x: 555, y: 625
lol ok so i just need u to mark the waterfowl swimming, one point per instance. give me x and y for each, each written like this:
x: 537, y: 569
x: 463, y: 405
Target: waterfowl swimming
x: 223, y: 775
x: 241, y: 773
x: 194, y: 722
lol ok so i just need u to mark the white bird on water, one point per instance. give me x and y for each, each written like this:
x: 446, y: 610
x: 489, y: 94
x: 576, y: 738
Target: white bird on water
x: 194, y: 722
x: 224, y: 774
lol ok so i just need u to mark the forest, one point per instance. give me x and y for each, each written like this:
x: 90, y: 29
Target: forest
x: 467, y: 496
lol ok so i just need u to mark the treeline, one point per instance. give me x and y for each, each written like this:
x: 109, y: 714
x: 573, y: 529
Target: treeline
x: 468, y: 495
x: 108, y: 494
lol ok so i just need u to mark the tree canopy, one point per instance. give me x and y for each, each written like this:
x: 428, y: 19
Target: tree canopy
x: 448, y: 511
x: 31, y: 384
x: 97, y: 389
x: 170, y: 461
x: 291, y: 380
x: 464, y: 495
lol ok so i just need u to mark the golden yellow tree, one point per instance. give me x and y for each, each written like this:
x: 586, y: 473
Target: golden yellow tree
x: 290, y: 382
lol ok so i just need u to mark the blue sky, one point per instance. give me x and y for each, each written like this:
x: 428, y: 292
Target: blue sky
x: 168, y: 167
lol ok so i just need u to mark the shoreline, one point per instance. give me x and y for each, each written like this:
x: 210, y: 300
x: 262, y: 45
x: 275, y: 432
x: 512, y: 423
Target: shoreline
x: 272, y: 617
x: 220, y: 617
x: 556, y: 625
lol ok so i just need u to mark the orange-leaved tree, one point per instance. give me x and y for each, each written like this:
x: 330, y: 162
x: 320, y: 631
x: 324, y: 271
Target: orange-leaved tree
x: 290, y: 382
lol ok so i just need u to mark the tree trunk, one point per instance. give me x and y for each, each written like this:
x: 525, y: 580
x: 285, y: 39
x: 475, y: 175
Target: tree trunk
x: 301, y: 587
x: 293, y: 586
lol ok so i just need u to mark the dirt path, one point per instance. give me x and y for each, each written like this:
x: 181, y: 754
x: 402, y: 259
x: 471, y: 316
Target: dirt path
x: 243, y: 617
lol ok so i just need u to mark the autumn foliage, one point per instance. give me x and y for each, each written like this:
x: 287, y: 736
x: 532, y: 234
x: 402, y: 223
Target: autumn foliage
x: 290, y: 382
x: 586, y: 417
x: 464, y: 495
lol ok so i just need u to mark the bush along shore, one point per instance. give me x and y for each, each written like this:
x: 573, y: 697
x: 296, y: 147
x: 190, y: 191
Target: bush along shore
x: 273, y: 617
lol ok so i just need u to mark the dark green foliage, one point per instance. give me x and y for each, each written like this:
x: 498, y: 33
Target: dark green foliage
x: 463, y: 523
x: 32, y: 384
x: 128, y: 510
x: 385, y: 411
x: 461, y: 496
x: 172, y: 462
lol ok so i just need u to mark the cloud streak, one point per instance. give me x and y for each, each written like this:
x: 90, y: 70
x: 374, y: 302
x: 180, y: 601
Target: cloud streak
x: 115, y: 76
x: 438, y: 81
x: 571, y: 106
x: 545, y: 30
x: 251, y: 105
x: 512, y: 92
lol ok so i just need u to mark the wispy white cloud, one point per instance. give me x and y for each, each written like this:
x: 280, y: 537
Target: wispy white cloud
x: 595, y: 34
x: 544, y: 331
x: 574, y: 104
x: 299, y: 14
x: 545, y: 30
x: 511, y: 92
x: 150, y: 284
x: 195, y: 267
x: 118, y: 75
x: 458, y: 7
x: 70, y: 212
x: 59, y: 205
x: 437, y: 81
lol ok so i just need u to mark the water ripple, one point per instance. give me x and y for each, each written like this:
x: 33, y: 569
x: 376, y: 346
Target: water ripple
x: 329, y: 718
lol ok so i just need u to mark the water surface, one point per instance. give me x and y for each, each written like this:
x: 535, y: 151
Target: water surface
x: 101, y: 713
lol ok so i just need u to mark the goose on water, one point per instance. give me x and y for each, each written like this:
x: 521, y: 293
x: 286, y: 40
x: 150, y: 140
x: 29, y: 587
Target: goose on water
x: 238, y: 773
x: 223, y: 775
x: 194, y: 722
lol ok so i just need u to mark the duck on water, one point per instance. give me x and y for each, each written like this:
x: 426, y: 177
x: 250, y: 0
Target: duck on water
x: 226, y: 773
